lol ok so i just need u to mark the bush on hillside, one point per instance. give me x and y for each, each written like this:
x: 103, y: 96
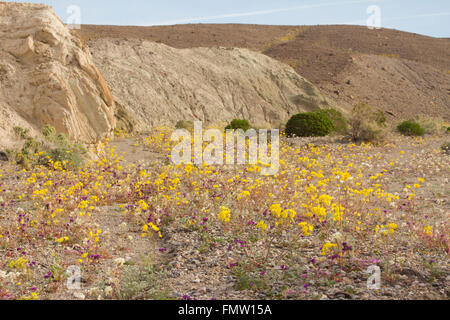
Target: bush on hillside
x: 309, y: 124
x: 239, y: 124
x: 367, y: 124
x: 431, y: 125
x: 55, y: 148
x: 185, y: 124
x: 446, y: 148
x: 411, y: 128
x: 340, y: 124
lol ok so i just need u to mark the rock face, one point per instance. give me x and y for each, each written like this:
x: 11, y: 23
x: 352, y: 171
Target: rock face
x: 47, y: 77
x: 155, y: 84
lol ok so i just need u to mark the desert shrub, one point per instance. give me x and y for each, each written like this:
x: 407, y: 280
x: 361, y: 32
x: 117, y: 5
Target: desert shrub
x: 309, y: 124
x: 55, y: 148
x: 431, y: 125
x: 340, y: 124
x: 48, y: 132
x: 185, y: 124
x: 411, y: 128
x: 366, y: 123
x: 21, y: 133
x: 446, y: 148
x: 239, y: 124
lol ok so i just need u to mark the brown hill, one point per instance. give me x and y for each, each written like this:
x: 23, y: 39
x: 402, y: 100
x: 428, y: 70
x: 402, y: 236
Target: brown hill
x: 399, y: 72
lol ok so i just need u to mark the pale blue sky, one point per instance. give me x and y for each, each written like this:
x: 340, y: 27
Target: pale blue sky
x: 429, y: 17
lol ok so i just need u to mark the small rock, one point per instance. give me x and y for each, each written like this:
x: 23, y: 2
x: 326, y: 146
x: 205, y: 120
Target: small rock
x: 3, y: 156
x: 119, y: 262
x: 124, y: 227
x: 79, y: 295
x: 108, y: 291
x: 197, y: 280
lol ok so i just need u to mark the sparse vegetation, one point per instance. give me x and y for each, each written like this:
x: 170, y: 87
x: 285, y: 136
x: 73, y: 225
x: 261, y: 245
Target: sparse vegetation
x: 55, y: 151
x: 367, y: 124
x: 446, y: 148
x: 159, y: 231
x: 185, y: 124
x: 432, y: 125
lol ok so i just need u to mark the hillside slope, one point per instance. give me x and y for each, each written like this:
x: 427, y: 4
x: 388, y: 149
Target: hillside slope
x: 155, y: 84
x: 399, y: 72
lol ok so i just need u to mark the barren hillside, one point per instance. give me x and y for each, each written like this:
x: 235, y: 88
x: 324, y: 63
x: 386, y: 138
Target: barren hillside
x: 400, y: 72
x: 155, y: 84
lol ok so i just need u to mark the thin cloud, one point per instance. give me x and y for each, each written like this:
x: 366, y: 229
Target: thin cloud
x: 260, y: 12
x: 424, y: 15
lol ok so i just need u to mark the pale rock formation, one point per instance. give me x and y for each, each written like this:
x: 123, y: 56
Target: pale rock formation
x: 155, y: 84
x: 47, y: 76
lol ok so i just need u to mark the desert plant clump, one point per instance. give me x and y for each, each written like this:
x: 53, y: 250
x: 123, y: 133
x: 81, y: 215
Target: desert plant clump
x: 55, y: 151
x: 411, y: 128
x: 340, y: 123
x: 309, y: 124
x: 431, y: 125
x: 185, y: 124
x: 446, y: 148
x: 367, y: 124
x: 239, y: 124
x: 21, y: 133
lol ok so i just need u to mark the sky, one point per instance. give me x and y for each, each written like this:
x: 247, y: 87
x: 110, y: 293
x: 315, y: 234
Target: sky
x: 428, y: 17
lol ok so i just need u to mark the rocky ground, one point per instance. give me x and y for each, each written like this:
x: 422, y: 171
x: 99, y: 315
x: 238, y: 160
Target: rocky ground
x: 191, y: 263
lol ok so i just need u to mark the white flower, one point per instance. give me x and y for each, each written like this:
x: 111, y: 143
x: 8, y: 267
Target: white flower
x: 337, y: 237
x: 108, y: 291
x: 119, y: 262
x: 124, y: 227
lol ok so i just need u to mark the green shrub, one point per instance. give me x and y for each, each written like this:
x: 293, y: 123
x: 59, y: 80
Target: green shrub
x: 411, y: 128
x: 185, y: 124
x: 49, y: 132
x: 21, y: 133
x: 309, y: 124
x: 340, y: 124
x: 239, y: 124
x: 366, y: 123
